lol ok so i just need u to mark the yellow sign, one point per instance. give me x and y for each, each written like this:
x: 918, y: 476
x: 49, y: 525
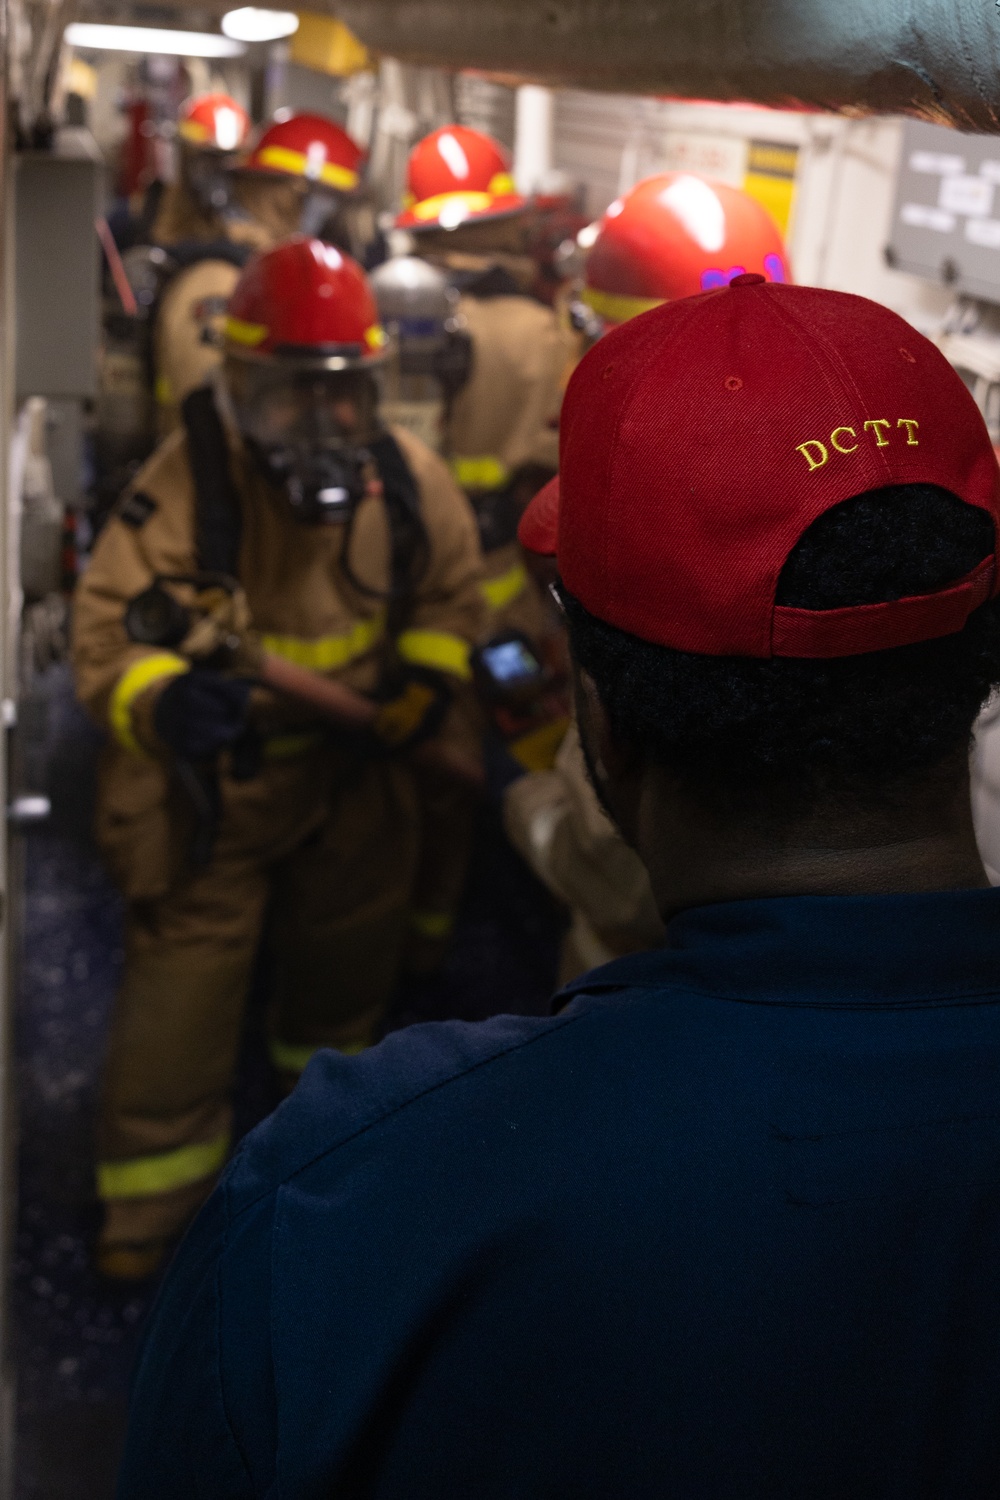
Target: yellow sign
x: 326, y: 44
x: 770, y: 178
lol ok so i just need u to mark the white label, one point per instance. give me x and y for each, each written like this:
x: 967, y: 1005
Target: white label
x: 972, y: 196
x: 922, y: 216
x: 723, y: 157
x: 990, y: 170
x: 985, y: 232
x: 936, y: 161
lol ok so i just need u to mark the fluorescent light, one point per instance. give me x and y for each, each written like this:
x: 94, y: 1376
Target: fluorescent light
x: 91, y: 37
x: 248, y: 24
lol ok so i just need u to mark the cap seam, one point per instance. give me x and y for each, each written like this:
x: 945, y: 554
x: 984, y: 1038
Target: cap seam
x: 828, y: 361
x: 832, y: 354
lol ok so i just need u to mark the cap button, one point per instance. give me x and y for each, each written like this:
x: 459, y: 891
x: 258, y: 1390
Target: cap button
x: 749, y: 278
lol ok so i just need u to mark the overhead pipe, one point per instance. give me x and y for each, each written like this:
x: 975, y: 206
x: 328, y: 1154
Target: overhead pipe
x: 937, y: 59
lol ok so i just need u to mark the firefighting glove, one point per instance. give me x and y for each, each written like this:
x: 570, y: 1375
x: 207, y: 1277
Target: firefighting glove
x: 200, y: 712
x: 413, y: 710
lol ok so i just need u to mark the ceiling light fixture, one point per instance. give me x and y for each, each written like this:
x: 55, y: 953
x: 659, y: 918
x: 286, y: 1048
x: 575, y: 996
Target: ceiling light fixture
x: 99, y: 38
x: 248, y: 24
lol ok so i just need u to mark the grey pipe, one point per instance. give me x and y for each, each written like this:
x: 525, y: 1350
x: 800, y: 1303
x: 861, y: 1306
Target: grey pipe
x: 939, y: 59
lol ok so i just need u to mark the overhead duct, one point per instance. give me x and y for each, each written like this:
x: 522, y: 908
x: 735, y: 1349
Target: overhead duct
x: 939, y: 59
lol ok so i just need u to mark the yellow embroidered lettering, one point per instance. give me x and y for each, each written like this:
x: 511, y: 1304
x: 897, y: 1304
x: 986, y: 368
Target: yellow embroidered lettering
x: 806, y: 449
x: 840, y: 447
x: 878, y: 424
x: 912, y: 428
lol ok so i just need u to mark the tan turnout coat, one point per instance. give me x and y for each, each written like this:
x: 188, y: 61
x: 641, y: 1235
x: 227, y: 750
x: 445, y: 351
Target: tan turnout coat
x: 300, y: 600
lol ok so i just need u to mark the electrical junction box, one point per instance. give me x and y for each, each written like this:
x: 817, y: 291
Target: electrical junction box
x: 946, y: 217
x: 57, y: 272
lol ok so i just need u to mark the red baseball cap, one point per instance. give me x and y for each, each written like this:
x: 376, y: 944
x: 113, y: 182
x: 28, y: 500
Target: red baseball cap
x: 700, y: 440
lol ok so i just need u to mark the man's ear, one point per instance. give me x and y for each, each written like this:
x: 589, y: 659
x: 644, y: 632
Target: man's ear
x: 615, y: 768
x: 613, y: 758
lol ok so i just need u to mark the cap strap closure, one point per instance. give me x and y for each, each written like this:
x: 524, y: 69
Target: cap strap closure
x: 859, y: 628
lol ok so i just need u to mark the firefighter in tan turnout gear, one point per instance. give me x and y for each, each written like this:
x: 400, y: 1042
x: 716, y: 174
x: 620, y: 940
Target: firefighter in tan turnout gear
x: 211, y: 128
x: 292, y: 181
x: 501, y: 434
x: 359, y: 571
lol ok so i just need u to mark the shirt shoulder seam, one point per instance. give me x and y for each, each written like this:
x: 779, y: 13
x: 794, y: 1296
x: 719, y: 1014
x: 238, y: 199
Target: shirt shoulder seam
x: 559, y: 1023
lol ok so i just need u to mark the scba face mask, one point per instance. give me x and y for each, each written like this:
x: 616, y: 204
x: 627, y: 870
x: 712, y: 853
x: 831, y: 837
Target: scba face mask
x: 208, y: 179
x: 308, y: 433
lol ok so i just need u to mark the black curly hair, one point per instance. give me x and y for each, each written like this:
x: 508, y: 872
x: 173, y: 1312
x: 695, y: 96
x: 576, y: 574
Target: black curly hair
x: 851, y: 726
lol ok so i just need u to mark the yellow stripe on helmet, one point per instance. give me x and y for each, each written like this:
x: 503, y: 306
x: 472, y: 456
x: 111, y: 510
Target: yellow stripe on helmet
x: 618, y: 309
x: 249, y: 334
x: 195, y: 131
x: 472, y: 203
x: 296, y: 163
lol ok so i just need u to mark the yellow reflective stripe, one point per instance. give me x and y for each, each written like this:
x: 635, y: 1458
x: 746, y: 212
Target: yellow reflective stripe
x: 618, y: 309
x: 438, y: 649
x: 328, y: 652
x: 501, y: 590
x: 286, y: 746
x: 143, y: 1176
x: 193, y: 130
x: 281, y: 159
x: 163, y: 393
x: 432, y: 924
x: 483, y: 473
x: 337, y: 176
x: 293, y: 1057
x: 240, y: 332
x: 470, y: 202
x: 139, y: 676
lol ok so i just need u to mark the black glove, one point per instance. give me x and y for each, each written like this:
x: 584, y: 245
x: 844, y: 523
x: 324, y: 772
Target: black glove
x: 199, y: 712
x: 412, y: 710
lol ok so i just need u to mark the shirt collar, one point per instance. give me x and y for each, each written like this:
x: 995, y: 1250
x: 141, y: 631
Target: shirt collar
x: 922, y: 949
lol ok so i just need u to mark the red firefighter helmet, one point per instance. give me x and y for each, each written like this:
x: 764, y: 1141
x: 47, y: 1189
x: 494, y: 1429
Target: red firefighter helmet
x: 456, y: 174
x: 675, y: 235
x: 309, y: 146
x: 307, y: 301
x: 214, y: 122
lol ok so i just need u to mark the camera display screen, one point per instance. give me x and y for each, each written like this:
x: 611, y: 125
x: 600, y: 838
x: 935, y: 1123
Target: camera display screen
x: 510, y: 662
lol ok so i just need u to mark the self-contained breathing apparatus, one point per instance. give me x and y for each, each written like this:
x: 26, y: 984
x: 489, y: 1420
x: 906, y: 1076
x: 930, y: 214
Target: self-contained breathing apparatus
x: 126, y: 426
x: 430, y: 351
x: 204, y: 615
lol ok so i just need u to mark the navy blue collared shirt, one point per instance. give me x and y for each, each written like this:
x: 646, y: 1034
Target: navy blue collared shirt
x: 725, y: 1228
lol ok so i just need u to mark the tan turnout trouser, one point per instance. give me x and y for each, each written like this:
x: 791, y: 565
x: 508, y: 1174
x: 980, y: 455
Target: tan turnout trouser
x: 328, y: 851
